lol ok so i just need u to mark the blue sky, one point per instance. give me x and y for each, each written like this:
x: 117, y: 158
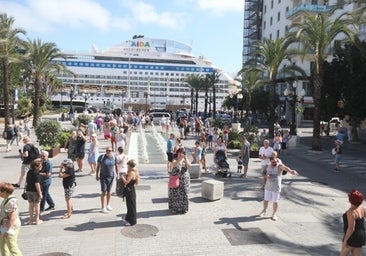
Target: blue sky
x: 212, y: 27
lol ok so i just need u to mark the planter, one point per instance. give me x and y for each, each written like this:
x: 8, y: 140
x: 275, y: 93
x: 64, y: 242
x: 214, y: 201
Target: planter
x: 254, y: 154
x: 53, y: 152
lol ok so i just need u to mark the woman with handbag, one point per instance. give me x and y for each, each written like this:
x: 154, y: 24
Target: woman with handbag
x: 132, y: 180
x: 34, y: 191
x: 179, y: 183
x: 9, y: 221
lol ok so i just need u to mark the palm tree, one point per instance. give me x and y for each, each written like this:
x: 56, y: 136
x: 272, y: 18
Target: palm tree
x: 250, y: 79
x: 10, y: 43
x: 316, y: 33
x: 196, y: 83
x: 270, y: 55
x: 41, y: 64
x: 212, y: 79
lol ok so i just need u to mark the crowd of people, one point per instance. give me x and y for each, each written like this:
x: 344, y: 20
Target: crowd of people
x: 114, y: 164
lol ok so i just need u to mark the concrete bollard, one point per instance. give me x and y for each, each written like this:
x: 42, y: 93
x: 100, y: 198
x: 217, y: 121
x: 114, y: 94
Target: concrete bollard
x: 195, y: 171
x: 212, y: 189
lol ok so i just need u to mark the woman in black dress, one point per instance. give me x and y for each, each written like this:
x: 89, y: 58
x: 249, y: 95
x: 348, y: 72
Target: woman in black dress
x: 354, y: 229
x: 131, y: 180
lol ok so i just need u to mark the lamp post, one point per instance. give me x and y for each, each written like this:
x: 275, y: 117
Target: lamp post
x: 146, y: 96
x: 295, y: 99
x: 86, y: 97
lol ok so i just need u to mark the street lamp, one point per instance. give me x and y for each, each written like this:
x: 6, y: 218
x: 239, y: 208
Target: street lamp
x: 86, y: 97
x: 295, y: 99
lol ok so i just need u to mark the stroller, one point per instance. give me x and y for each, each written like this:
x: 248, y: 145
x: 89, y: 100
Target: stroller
x: 223, y: 167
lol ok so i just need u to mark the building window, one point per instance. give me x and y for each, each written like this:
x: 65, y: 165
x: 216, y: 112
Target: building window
x: 271, y: 21
x: 264, y: 25
x: 278, y: 33
x: 265, y: 9
x: 278, y: 16
x: 270, y: 36
x: 272, y: 4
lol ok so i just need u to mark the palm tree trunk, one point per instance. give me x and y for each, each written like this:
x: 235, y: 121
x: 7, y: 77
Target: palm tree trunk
x: 214, y: 101
x: 316, y: 142
x: 206, y: 97
x: 271, y: 119
x: 196, y: 102
x: 36, y: 107
x: 6, y: 91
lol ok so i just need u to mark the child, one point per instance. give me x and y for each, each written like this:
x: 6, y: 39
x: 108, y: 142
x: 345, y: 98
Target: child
x: 240, y: 164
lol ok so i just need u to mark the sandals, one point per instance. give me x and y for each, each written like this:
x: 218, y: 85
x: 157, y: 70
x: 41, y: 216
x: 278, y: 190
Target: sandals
x: 66, y: 216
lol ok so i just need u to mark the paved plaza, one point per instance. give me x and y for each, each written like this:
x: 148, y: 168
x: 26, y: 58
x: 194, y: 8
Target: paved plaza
x: 309, y: 216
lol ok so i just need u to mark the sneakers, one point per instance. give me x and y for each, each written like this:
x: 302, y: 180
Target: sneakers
x: 109, y: 208
x: 262, y: 214
x: 15, y: 185
x: 104, y: 210
x: 50, y: 208
x: 274, y: 217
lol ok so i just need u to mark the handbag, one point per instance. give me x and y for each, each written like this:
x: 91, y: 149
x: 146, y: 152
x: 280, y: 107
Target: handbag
x: 173, y: 181
x: 120, y: 188
x: 24, y: 194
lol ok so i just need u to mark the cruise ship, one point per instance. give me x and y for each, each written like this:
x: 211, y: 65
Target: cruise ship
x: 139, y: 73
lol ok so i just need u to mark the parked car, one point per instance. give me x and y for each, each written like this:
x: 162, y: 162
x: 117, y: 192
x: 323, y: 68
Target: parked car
x: 157, y: 116
x: 106, y: 110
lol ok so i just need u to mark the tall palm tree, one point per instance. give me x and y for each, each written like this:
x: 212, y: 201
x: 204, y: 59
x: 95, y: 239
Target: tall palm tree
x: 316, y: 33
x: 250, y: 79
x: 196, y: 82
x: 270, y: 55
x: 212, y: 79
x: 41, y: 56
x: 10, y: 43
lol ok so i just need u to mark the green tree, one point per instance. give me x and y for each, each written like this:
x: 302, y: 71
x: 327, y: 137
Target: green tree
x: 197, y: 83
x: 212, y: 79
x: 316, y: 33
x: 10, y: 45
x: 41, y: 65
x: 250, y: 79
x: 270, y: 55
x: 344, y: 89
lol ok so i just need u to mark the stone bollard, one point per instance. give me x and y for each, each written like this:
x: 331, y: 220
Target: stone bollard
x: 212, y: 189
x: 195, y: 171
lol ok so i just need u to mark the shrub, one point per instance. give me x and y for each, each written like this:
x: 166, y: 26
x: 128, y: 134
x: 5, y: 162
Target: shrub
x: 65, y: 134
x: 254, y: 147
x: 48, y: 133
x: 234, y: 144
x: 82, y: 119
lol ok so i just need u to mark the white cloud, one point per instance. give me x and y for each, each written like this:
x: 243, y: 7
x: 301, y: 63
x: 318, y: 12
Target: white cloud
x: 147, y: 13
x: 47, y: 16
x: 221, y: 6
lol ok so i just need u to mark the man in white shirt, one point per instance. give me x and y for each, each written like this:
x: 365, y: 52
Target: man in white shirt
x: 265, y: 152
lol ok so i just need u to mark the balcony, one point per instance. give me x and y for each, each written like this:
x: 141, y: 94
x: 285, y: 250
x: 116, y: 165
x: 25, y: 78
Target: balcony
x: 308, y: 8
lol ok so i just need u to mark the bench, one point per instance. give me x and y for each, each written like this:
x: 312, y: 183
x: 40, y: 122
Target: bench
x: 212, y: 189
x: 195, y: 171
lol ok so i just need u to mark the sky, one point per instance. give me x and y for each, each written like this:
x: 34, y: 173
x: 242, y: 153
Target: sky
x: 214, y: 28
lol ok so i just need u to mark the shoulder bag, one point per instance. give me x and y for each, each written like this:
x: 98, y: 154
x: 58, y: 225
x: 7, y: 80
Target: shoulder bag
x: 174, y: 181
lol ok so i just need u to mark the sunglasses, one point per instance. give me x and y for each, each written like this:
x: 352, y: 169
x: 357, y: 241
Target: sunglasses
x: 108, y: 150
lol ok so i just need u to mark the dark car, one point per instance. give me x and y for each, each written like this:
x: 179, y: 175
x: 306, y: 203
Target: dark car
x: 226, y: 119
x: 105, y: 110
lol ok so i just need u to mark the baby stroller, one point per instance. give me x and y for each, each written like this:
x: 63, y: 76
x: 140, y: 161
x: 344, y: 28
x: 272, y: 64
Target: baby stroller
x: 223, y: 167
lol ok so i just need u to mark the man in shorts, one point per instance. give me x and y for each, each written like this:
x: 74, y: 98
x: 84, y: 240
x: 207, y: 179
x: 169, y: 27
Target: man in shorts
x: 106, y: 170
x: 26, y: 160
x: 265, y: 152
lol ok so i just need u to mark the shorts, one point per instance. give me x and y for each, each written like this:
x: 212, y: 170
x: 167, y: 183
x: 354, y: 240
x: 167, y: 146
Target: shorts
x: 80, y: 155
x: 69, y: 191
x: 25, y: 168
x: 106, y: 184
x: 114, y: 139
x: 33, y: 197
x: 337, y: 158
x: 264, y: 170
x: 170, y: 157
x: 271, y: 196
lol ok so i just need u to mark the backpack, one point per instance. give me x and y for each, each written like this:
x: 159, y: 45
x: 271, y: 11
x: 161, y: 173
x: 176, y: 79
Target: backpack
x: 33, y: 153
